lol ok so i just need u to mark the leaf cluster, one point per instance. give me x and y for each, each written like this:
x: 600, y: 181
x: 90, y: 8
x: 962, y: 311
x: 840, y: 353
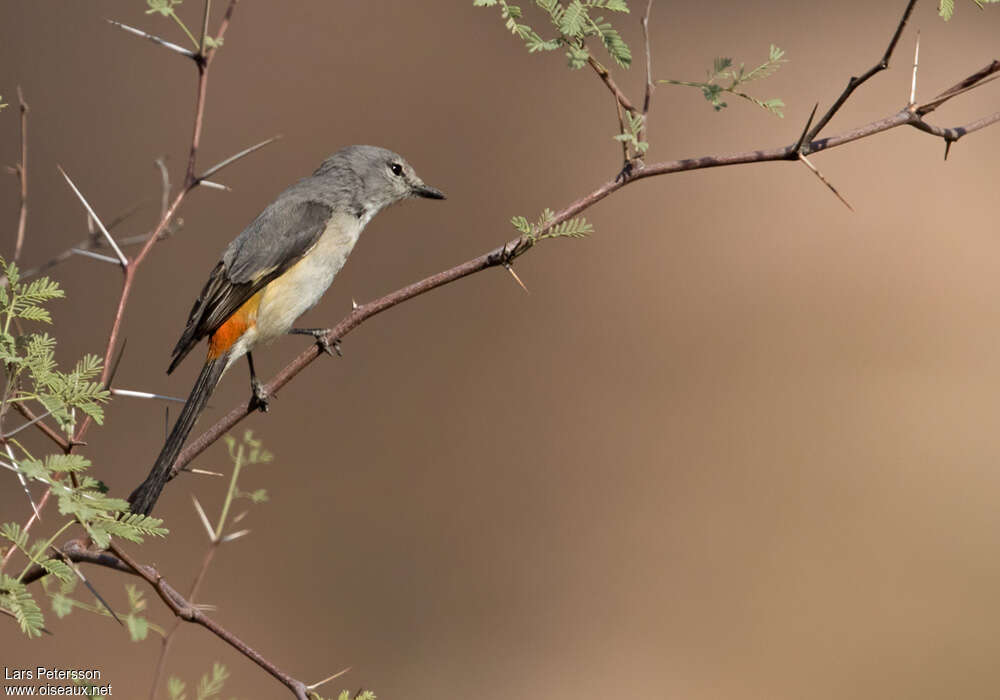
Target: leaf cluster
x: 243, y: 454
x: 209, y: 685
x: 165, y: 8
x: 573, y: 24
x: 630, y: 136
x: 29, y: 358
x: 32, y: 376
x: 946, y: 8
x: 725, y: 77
x: 577, y: 227
x: 63, y: 603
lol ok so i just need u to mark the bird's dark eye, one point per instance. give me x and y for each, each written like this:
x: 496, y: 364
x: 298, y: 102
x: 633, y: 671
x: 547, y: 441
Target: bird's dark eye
x: 396, y: 168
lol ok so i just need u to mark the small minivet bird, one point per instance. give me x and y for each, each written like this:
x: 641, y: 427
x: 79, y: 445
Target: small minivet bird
x: 275, y: 271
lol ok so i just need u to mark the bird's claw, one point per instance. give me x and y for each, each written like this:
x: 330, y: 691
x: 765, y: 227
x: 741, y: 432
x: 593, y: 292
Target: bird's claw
x: 319, y: 335
x: 626, y: 172
x: 260, y: 400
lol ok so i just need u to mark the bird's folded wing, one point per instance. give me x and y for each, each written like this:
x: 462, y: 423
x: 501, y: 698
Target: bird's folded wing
x: 277, y: 239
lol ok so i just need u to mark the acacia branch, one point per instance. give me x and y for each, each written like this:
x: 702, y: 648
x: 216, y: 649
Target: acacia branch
x: 977, y: 79
x: 161, y: 662
x: 118, y: 560
x: 505, y: 254
x: 189, y: 613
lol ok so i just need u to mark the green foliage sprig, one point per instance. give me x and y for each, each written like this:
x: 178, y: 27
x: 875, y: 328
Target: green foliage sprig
x: 166, y: 9
x: 577, y: 227
x: 725, y: 77
x: 574, y: 24
x: 29, y: 359
x: 633, y: 129
x: 946, y: 8
x: 32, y: 376
x: 209, y: 685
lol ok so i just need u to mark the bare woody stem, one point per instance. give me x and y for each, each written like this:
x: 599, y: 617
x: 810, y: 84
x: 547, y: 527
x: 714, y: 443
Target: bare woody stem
x: 184, y: 610
x: 161, y: 663
x: 605, y: 75
x: 118, y: 560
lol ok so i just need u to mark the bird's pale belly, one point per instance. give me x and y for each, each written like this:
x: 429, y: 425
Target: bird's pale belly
x: 299, y: 289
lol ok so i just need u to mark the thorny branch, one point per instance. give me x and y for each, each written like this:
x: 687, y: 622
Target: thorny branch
x: 119, y: 560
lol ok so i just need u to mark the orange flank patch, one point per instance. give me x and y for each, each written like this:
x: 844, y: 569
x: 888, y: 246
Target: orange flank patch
x: 234, y: 328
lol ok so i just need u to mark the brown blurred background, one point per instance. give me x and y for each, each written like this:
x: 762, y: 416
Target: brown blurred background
x: 741, y: 443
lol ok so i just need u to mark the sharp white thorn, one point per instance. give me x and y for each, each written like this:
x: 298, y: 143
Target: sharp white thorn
x: 204, y: 519
x: 97, y: 220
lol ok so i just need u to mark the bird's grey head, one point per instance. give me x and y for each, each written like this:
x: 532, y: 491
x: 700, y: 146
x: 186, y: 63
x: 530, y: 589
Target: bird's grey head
x: 376, y: 177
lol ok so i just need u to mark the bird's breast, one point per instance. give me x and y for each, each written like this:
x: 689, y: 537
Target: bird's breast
x: 300, y: 287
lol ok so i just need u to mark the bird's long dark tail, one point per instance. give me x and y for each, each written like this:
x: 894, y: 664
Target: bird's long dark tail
x: 145, y: 495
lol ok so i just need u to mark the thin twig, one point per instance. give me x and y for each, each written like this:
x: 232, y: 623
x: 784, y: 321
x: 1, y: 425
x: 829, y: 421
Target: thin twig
x: 184, y: 610
x: 854, y: 83
x: 22, y: 176
x: 797, y: 148
x: 15, y: 431
x: 165, y: 177
x: 118, y: 560
x: 49, y: 432
x: 605, y: 75
x: 916, y: 62
x: 161, y: 662
x: 622, y: 130
x: 977, y: 79
x: 235, y: 157
x: 204, y: 26
x: 953, y: 134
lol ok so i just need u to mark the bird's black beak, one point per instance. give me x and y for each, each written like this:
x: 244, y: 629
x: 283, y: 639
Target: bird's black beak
x: 427, y: 191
